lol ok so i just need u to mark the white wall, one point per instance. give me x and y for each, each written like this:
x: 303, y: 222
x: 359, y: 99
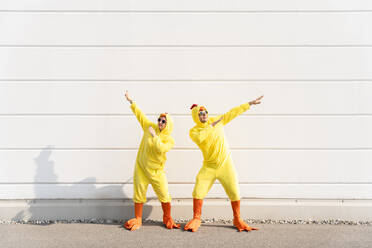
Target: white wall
x: 66, y: 131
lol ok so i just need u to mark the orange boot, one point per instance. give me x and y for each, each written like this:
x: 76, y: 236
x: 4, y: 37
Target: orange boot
x: 194, y: 224
x: 135, y: 223
x: 167, y: 219
x: 238, y: 222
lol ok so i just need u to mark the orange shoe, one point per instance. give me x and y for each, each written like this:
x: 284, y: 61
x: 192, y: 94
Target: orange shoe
x: 194, y: 224
x: 238, y: 222
x: 135, y: 223
x: 167, y: 219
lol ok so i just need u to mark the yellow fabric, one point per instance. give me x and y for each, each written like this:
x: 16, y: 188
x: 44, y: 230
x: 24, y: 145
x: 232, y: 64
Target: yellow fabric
x: 151, y: 158
x: 217, y: 162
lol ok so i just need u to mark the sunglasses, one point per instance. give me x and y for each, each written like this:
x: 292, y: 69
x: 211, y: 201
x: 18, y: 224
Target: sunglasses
x: 203, y: 112
x: 162, y: 120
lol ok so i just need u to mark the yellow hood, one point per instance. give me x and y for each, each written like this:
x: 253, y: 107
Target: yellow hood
x: 195, y: 115
x: 169, y: 127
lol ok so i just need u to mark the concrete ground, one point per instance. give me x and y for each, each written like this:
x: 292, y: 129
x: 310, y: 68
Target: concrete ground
x: 209, y: 235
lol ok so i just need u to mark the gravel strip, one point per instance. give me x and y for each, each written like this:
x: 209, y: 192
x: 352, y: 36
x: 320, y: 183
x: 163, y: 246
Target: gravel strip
x: 213, y: 220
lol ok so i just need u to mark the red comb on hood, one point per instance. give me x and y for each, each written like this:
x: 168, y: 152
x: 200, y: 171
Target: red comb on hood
x: 193, y: 106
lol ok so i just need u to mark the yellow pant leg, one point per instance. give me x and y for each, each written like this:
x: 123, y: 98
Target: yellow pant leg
x: 140, y: 185
x: 226, y: 174
x: 159, y: 182
x: 204, y: 182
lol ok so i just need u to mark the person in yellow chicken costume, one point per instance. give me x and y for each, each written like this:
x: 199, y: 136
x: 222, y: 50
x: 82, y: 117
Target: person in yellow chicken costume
x: 209, y: 135
x: 155, y: 143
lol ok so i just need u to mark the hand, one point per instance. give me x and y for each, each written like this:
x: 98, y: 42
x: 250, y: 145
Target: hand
x: 215, y: 123
x: 152, y: 131
x: 257, y: 101
x: 128, y: 97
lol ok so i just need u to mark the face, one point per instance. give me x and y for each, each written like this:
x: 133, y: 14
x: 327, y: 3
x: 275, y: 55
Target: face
x: 162, y: 123
x: 203, y: 116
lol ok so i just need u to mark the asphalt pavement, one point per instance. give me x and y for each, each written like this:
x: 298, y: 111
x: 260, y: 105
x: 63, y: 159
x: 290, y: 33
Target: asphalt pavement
x: 209, y: 235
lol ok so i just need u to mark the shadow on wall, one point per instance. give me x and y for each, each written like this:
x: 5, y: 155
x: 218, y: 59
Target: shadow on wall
x: 88, y: 201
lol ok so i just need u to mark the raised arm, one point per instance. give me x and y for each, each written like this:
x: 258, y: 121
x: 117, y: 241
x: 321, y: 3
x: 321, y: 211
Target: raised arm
x: 235, y: 112
x: 141, y: 117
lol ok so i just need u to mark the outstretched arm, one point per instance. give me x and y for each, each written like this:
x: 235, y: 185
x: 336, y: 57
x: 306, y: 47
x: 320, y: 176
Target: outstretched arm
x: 235, y: 112
x: 141, y: 117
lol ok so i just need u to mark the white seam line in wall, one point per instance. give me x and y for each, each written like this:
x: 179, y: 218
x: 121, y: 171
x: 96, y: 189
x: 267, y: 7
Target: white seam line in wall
x: 178, y: 46
x: 185, y: 80
x: 186, y: 11
x: 175, y: 183
x: 173, y: 114
x: 191, y: 149
x: 190, y: 198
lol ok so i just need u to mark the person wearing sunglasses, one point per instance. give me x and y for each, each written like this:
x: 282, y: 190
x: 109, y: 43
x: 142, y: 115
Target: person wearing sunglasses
x: 149, y: 168
x: 209, y: 135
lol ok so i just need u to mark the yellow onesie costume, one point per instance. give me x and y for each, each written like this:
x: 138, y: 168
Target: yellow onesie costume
x: 217, y: 158
x: 149, y: 167
x: 217, y: 163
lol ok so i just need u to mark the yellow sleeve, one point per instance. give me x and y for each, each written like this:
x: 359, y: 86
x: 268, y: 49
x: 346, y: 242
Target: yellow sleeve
x: 213, y: 119
x: 234, y: 112
x: 141, y: 117
x: 163, y: 145
x: 200, y: 134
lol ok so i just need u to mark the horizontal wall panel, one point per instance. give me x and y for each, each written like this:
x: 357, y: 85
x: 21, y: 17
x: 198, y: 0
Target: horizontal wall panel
x: 253, y: 166
x: 185, y: 29
x: 109, y: 191
x: 243, y: 132
x: 108, y: 98
x: 257, y: 209
x: 191, y: 5
x: 235, y: 63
